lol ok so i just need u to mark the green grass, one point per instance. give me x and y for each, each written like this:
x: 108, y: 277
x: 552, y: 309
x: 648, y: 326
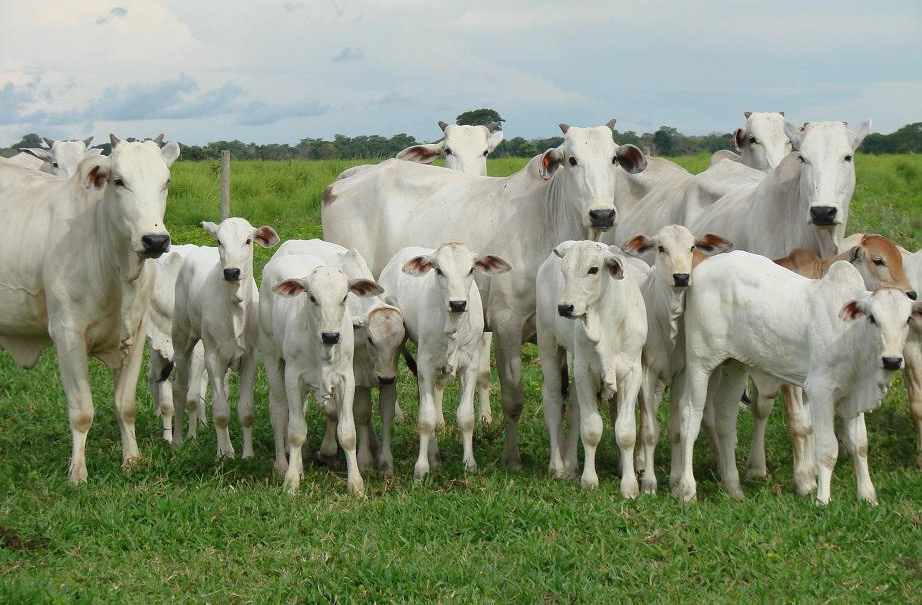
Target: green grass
x: 179, y: 525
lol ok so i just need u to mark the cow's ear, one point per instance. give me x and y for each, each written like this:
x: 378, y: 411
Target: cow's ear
x: 443, y: 125
x: 210, y: 228
x: 860, y: 131
x: 631, y: 158
x: 713, y: 244
x: 87, y: 141
x: 491, y: 264
x: 747, y: 114
x: 614, y: 265
x: 170, y: 152
x: 98, y: 175
x: 290, y: 287
x: 781, y: 113
x: 739, y: 139
x: 795, y: 134
x: 365, y: 287
x: 853, y: 309
x: 638, y: 244
x: 550, y: 162
x: 562, y: 248
x: 40, y: 153
x: 496, y: 137
x: 418, y: 265
x: 421, y: 154
x: 266, y: 236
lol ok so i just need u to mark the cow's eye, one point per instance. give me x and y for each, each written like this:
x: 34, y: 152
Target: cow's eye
x: 879, y: 262
x: 572, y: 161
x: 802, y: 160
x: 438, y: 271
x: 370, y: 341
x: 118, y: 181
x: 661, y: 249
x: 848, y: 158
x: 872, y: 320
x: 447, y: 151
x: 692, y: 249
x: 313, y: 300
x: 593, y: 270
x: 248, y: 242
x: 345, y: 297
x: 486, y: 152
x: 471, y: 271
x: 752, y: 140
x: 55, y: 164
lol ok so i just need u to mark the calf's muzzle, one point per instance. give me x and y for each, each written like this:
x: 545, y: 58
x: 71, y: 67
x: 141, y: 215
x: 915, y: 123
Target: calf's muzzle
x: 330, y: 338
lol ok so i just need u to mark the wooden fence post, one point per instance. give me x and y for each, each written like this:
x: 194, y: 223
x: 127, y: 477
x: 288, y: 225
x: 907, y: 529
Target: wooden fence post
x: 225, y: 183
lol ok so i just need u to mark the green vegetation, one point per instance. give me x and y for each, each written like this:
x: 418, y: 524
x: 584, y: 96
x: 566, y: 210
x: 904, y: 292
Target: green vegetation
x: 179, y: 525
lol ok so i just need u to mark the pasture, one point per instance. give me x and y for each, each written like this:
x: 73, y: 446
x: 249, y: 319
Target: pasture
x: 179, y: 525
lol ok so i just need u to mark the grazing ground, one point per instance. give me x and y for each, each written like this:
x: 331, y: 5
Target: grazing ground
x: 179, y: 525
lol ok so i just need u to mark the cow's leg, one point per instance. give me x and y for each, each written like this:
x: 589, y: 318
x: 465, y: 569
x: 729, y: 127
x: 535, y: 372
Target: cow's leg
x: 439, y: 394
x: 345, y: 430
x: 509, y: 363
x: 571, y: 442
x: 855, y: 435
x: 297, y: 428
x: 649, y: 430
x: 182, y: 350
x: 387, y: 400
x: 912, y: 378
x: 691, y: 410
x: 827, y: 448
x: 427, y: 420
x: 626, y: 428
x: 198, y: 387
x: 590, y: 421
x: 761, y: 409
x: 800, y: 428
x: 552, y: 398
x: 125, y: 380
x: 161, y: 392
x: 469, y: 377
x: 734, y: 377
x: 709, y: 418
x: 483, y: 379
x: 248, y: 366
x: 278, y: 410
x: 362, y: 411
x: 74, y: 368
x: 673, y: 423
x: 220, y: 409
x: 328, y: 447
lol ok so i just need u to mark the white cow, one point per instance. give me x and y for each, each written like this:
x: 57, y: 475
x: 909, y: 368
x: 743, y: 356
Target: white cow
x: 677, y: 253
x: 912, y: 375
x: 564, y: 193
x: 216, y: 303
x: 60, y: 158
x: 379, y: 333
x: 74, y: 273
x: 160, y: 341
x: 761, y: 142
x: 591, y: 308
x: 831, y: 337
x: 443, y: 312
x: 802, y: 203
x: 306, y: 340
x: 464, y: 148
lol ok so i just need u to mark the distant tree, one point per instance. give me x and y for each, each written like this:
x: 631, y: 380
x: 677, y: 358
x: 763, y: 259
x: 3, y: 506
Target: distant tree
x: 479, y: 117
x: 664, y: 140
x: 907, y: 139
x: 30, y: 140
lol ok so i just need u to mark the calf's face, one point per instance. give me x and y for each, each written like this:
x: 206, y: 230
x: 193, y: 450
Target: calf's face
x: 881, y: 265
x: 889, y: 313
x: 677, y: 252
x: 454, y: 265
x: 235, y: 238
x: 383, y: 333
x: 584, y: 266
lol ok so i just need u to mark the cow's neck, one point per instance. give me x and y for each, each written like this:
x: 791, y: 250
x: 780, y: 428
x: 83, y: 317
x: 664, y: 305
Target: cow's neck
x: 237, y: 300
x: 668, y: 307
x: 601, y: 327
x: 564, y: 221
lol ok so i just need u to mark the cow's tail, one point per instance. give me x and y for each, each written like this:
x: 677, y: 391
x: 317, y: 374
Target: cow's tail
x: 166, y: 371
x: 408, y: 357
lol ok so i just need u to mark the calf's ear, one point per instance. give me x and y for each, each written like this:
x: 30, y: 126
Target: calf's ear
x: 713, y: 244
x: 738, y: 138
x: 490, y: 264
x: 169, y: 152
x: 365, y: 287
x: 266, y: 236
x: 854, y: 255
x: 39, y: 152
x: 210, y: 228
x: 853, y: 309
x: 421, y: 154
x: 290, y: 287
x: 98, y: 175
x: 418, y: 265
x: 638, y: 244
x: 562, y: 248
x: 614, y: 266
x: 359, y: 321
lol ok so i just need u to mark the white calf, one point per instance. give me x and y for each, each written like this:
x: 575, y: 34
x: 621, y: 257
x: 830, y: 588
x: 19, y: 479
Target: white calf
x: 443, y: 313
x: 306, y: 340
x: 829, y: 336
x: 216, y: 303
x: 591, y: 308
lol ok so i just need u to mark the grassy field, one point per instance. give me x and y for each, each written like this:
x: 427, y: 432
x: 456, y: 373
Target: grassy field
x: 180, y: 526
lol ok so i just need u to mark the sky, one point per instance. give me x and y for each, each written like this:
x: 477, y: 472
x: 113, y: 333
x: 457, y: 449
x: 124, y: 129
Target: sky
x: 283, y: 70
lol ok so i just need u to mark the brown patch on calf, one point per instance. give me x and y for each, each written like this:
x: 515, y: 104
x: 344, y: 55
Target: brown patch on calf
x: 804, y: 262
x: 877, y: 246
x: 328, y: 196
x: 97, y: 177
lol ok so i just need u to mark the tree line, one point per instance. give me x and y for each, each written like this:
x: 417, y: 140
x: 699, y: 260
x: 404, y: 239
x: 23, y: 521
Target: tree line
x: 665, y: 141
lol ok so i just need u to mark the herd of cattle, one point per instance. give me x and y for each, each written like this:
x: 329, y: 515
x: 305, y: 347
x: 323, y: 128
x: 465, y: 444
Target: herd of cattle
x: 632, y: 274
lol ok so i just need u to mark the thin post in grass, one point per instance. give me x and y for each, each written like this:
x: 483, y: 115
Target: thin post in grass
x: 225, y: 183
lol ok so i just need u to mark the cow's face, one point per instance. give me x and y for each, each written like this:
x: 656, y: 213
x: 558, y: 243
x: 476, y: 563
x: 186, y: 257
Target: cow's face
x: 454, y: 265
x: 585, y: 267
x: 826, y: 152
x: 62, y: 157
x: 589, y: 157
x: 382, y: 333
x: 881, y: 265
x: 464, y: 148
x: 136, y: 188
x: 888, y: 312
x: 762, y: 142
x: 235, y: 238
x: 677, y: 252
x: 326, y: 289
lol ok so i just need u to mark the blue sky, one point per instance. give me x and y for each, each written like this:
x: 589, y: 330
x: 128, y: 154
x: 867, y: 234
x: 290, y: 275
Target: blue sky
x: 279, y: 71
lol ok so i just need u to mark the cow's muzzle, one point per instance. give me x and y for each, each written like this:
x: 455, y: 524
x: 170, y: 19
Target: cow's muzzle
x: 385, y: 380
x: 823, y: 216
x: 892, y: 363
x: 565, y: 310
x: 602, y: 219
x: 232, y: 274
x: 912, y: 295
x: 155, y: 245
x: 457, y: 306
x: 680, y: 280
x: 330, y: 338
